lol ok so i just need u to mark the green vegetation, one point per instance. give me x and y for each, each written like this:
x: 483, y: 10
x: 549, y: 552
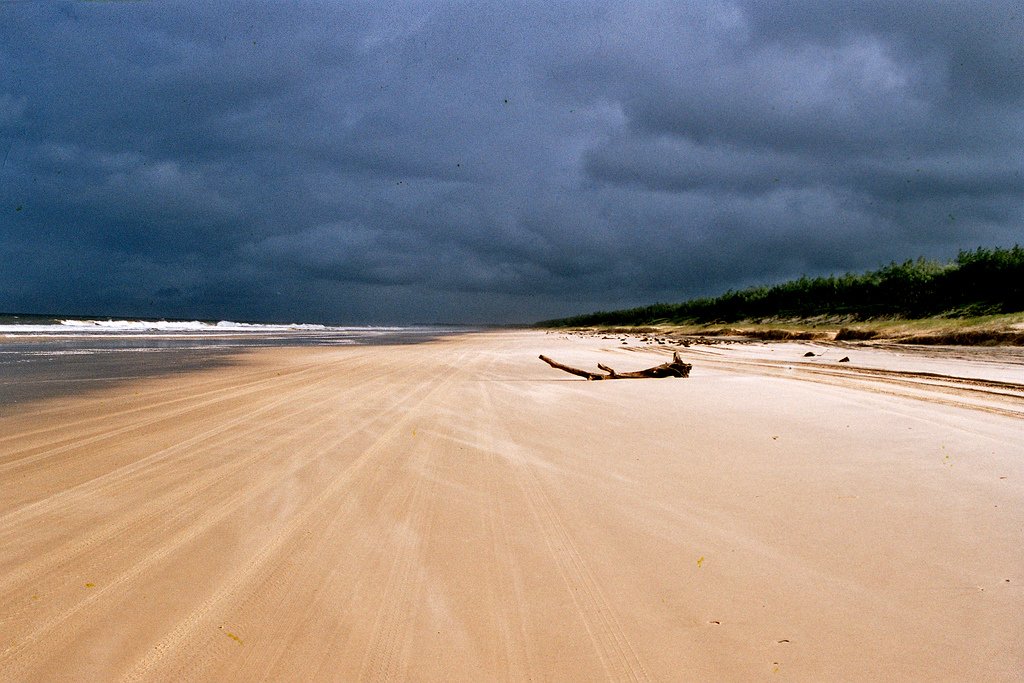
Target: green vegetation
x: 977, y: 283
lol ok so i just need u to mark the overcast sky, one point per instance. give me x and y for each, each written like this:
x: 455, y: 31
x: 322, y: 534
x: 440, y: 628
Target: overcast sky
x: 493, y: 161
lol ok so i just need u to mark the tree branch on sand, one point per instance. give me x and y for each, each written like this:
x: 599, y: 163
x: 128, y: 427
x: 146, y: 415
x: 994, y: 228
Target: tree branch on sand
x: 677, y: 368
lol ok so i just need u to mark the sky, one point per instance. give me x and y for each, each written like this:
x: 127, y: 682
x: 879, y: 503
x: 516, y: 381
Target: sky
x: 403, y: 162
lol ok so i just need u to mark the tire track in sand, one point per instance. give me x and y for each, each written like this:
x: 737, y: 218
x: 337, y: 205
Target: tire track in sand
x: 257, y: 375
x: 989, y: 396
x: 276, y: 592
x: 387, y: 652
x: 385, y: 475
x: 157, y: 519
x: 618, y: 656
x: 386, y: 658
x: 115, y: 479
x: 387, y: 655
x: 30, y: 458
x: 213, y: 516
x: 260, y: 565
x: 507, y: 587
x: 189, y: 393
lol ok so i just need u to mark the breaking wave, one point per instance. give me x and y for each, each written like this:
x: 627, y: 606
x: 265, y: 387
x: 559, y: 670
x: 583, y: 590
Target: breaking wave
x: 72, y: 326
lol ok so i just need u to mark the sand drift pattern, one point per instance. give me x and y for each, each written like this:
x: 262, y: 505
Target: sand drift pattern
x: 456, y: 510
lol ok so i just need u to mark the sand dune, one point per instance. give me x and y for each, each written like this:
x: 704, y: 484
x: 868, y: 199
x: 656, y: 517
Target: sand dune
x: 457, y: 510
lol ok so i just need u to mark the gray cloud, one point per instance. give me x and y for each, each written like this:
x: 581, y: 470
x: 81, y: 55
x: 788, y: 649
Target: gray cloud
x: 436, y: 161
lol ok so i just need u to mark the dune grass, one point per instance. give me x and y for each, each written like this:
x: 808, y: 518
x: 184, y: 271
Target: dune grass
x: 977, y: 298
x: 1004, y: 329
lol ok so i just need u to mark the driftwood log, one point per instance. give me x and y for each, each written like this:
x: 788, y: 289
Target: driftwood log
x: 677, y: 368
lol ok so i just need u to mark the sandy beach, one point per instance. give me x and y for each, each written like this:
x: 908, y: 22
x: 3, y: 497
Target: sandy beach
x: 458, y: 510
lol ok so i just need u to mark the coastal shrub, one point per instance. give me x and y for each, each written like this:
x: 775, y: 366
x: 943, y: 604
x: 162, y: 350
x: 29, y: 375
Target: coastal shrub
x: 967, y: 338
x: 851, y: 334
x: 981, y: 281
x: 779, y: 335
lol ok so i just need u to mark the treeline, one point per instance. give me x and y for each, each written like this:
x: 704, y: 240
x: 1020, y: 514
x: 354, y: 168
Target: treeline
x: 979, y: 282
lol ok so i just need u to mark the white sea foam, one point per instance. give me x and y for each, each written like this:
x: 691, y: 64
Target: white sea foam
x: 179, y: 326
x: 126, y: 327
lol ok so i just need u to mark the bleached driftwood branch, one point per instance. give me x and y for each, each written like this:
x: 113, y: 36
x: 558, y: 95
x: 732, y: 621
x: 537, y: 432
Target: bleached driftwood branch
x: 677, y: 368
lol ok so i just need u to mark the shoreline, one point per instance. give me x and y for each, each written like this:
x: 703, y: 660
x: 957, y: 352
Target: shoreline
x: 457, y: 509
x: 38, y: 362
x: 1007, y: 331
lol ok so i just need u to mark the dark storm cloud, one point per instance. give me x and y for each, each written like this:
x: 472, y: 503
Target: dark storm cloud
x: 436, y: 161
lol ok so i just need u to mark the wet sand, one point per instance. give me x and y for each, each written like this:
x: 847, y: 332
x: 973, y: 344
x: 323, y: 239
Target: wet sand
x: 458, y: 510
x: 30, y: 376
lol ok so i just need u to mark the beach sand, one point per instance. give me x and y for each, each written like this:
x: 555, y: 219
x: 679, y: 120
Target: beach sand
x: 458, y: 510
